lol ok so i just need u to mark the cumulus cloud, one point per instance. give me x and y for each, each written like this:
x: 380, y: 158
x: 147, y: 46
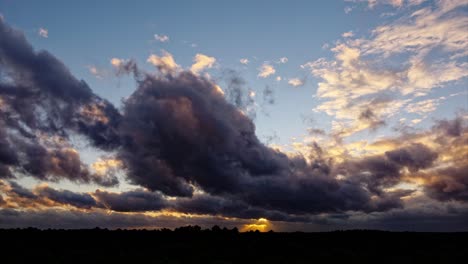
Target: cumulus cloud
x: 296, y: 82
x: 191, y: 118
x: 164, y: 63
x: 116, y: 62
x: 266, y: 70
x: 41, y: 108
x: 202, y: 62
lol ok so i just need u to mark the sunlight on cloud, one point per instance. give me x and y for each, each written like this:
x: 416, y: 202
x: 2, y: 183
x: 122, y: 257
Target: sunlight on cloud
x: 266, y: 70
x: 356, y: 81
x: 296, y: 82
x: 165, y: 63
x: 116, y: 62
x: 202, y: 62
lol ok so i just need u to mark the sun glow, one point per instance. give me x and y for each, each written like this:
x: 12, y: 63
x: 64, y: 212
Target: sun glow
x: 262, y: 225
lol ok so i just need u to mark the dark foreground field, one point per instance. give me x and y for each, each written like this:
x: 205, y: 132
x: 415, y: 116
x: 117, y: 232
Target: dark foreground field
x: 197, y: 246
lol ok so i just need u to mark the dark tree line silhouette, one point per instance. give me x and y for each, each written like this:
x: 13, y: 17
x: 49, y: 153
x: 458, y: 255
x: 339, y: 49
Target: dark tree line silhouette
x: 193, y: 244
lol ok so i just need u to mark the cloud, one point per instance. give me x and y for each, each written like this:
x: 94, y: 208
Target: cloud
x: 348, y: 9
x: 424, y: 107
x: 78, y: 200
x: 394, y: 3
x: 452, y: 128
x: 131, y: 201
x: 266, y: 70
x: 96, y: 72
x: 202, y: 62
x: 191, y: 148
x: 296, y: 82
x: 357, y: 79
x: 104, y: 166
x: 43, y: 32
x: 244, y: 61
x: 449, y: 183
x: 165, y: 63
x: 161, y: 38
x: 347, y: 34
x: 191, y: 117
x: 116, y: 62
x: 283, y: 60
x: 77, y: 219
x: 123, y: 67
x: 436, y: 27
x: 41, y: 109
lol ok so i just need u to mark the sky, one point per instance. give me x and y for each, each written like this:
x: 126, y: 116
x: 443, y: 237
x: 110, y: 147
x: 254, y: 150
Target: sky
x: 268, y: 115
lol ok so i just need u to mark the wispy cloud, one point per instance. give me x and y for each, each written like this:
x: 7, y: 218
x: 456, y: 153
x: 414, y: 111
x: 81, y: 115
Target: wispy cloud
x: 161, y: 38
x: 244, y: 61
x: 348, y: 9
x: 43, y: 32
x: 358, y: 75
x: 283, y: 60
x: 97, y: 72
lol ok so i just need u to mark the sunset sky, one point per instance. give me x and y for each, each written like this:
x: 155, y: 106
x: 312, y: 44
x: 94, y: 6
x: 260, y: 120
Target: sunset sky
x: 284, y: 115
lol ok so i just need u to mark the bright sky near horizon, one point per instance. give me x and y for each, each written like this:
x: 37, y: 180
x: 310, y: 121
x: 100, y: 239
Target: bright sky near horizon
x: 348, y: 81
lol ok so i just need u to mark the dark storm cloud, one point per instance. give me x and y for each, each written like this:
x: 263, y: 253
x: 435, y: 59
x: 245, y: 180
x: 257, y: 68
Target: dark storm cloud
x: 56, y: 163
x: 20, y: 190
x: 382, y: 171
x: 414, y: 157
x: 437, y: 219
x: 42, y: 94
x: 180, y: 132
x: 452, y: 128
x: 40, y: 98
x: 450, y: 183
x: 79, y: 200
x: 8, y: 155
x: 176, y: 132
x: 223, y: 206
x: 131, y: 201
